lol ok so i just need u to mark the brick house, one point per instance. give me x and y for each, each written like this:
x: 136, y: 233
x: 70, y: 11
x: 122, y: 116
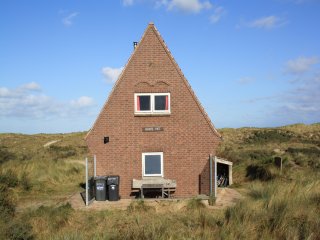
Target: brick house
x: 152, y: 128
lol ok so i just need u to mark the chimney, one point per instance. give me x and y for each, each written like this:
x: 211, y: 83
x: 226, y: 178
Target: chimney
x: 135, y: 44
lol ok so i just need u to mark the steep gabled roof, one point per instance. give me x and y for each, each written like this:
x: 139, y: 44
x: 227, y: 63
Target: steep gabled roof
x: 151, y: 27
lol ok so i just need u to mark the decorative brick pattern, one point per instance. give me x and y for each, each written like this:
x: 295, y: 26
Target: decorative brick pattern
x: 187, y: 138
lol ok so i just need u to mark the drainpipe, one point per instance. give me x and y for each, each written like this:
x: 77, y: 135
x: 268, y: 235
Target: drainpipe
x: 215, y: 176
x: 87, y: 187
x: 94, y: 166
x: 210, y: 163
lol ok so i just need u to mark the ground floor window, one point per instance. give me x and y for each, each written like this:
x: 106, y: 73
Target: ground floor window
x: 152, y: 164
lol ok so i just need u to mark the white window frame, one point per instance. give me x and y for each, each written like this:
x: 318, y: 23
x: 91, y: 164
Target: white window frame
x: 152, y: 104
x: 143, y: 164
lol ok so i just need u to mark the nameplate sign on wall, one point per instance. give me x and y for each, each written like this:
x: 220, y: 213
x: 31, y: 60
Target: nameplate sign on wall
x: 152, y: 129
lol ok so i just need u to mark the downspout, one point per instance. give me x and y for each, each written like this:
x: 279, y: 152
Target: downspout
x: 94, y: 166
x: 210, y: 167
x: 215, y: 176
x: 87, y: 187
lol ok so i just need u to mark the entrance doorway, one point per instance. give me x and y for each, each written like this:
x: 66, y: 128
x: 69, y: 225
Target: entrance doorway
x: 224, y: 172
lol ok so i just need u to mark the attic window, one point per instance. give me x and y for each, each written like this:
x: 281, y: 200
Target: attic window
x: 152, y: 103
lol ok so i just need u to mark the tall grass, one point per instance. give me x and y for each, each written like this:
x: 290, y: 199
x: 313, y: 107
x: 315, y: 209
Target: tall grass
x: 279, y: 209
x: 287, y: 206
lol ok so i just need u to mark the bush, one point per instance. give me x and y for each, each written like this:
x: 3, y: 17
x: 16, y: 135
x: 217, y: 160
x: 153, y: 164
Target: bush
x: 261, y: 191
x: 20, y: 230
x: 312, y: 151
x: 258, y: 172
x: 306, y: 156
x: 74, y: 170
x: 272, y: 135
x: 62, y: 151
x: 9, y: 178
x: 56, y: 217
x: 7, y: 207
x: 195, y: 204
x: 261, y: 155
x: 25, y: 182
x: 139, y: 206
x: 5, y: 155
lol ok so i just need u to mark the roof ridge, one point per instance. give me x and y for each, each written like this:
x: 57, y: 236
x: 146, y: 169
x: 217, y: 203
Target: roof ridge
x: 118, y: 80
x: 162, y: 42
x: 203, y: 111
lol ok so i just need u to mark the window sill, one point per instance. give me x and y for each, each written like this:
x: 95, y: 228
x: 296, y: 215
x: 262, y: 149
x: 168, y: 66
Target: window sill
x: 152, y: 177
x: 152, y: 114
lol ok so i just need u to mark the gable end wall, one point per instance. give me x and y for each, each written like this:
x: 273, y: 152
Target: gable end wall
x: 187, y: 138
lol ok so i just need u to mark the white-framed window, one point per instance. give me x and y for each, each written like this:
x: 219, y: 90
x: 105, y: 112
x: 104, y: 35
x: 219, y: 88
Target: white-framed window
x: 152, y: 103
x: 152, y: 164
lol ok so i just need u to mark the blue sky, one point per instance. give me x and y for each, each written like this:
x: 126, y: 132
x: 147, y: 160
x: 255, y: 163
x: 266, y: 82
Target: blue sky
x: 251, y: 63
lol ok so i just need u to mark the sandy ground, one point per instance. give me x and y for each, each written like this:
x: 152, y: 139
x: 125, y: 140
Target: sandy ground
x: 226, y: 197
x: 50, y: 143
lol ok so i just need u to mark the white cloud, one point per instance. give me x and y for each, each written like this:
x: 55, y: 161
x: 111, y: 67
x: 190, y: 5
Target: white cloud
x: 31, y: 86
x: 82, y: 102
x: 127, y: 2
x: 302, y: 102
x: 25, y: 102
x: 111, y: 74
x: 267, y: 22
x: 4, y: 92
x: 245, y: 80
x: 194, y: 6
x: 300, y: 65
x: 68, y: 20
x: 301, y: 1
x: 218, y: 13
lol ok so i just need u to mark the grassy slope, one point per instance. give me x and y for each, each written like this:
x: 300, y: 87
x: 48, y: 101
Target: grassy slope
x: 285, y: 207
x: 52, y: 171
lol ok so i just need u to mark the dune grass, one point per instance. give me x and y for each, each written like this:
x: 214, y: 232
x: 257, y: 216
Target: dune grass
x: 276, y: 205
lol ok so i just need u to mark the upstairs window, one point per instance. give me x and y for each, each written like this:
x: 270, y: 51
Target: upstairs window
x: 143, y: 103
x: 152, y: 103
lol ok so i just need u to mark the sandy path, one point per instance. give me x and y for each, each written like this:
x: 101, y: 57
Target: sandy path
x: 50, y: 143
x: 226, y: 197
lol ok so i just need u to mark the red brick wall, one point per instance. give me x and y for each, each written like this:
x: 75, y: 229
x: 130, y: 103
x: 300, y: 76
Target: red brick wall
x: 186, y: 140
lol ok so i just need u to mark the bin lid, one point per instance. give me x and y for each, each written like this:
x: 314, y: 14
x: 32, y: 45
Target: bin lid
x: 100, y: 178
x: 114, y: 180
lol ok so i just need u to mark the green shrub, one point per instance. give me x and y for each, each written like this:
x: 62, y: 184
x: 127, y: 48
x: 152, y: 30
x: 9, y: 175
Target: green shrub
x: 9, y: 178
x: 7, y: 207
x: 315, y: 199
x: 74, y: 170
x: 60, y: 152
x: 306, y: 156
x: 56, y: 217
x: 25, y: 182
x: 261, y: 191
x: 266, y: 136
x: 139, y: 206
x: 195, y: 204
x: 277, y: 214
x: 20, y: 230
x: 263, y: 156
x: 6, y: 155
x: 312, y: 151
x: 257, y: 172
x: 25, y: 157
